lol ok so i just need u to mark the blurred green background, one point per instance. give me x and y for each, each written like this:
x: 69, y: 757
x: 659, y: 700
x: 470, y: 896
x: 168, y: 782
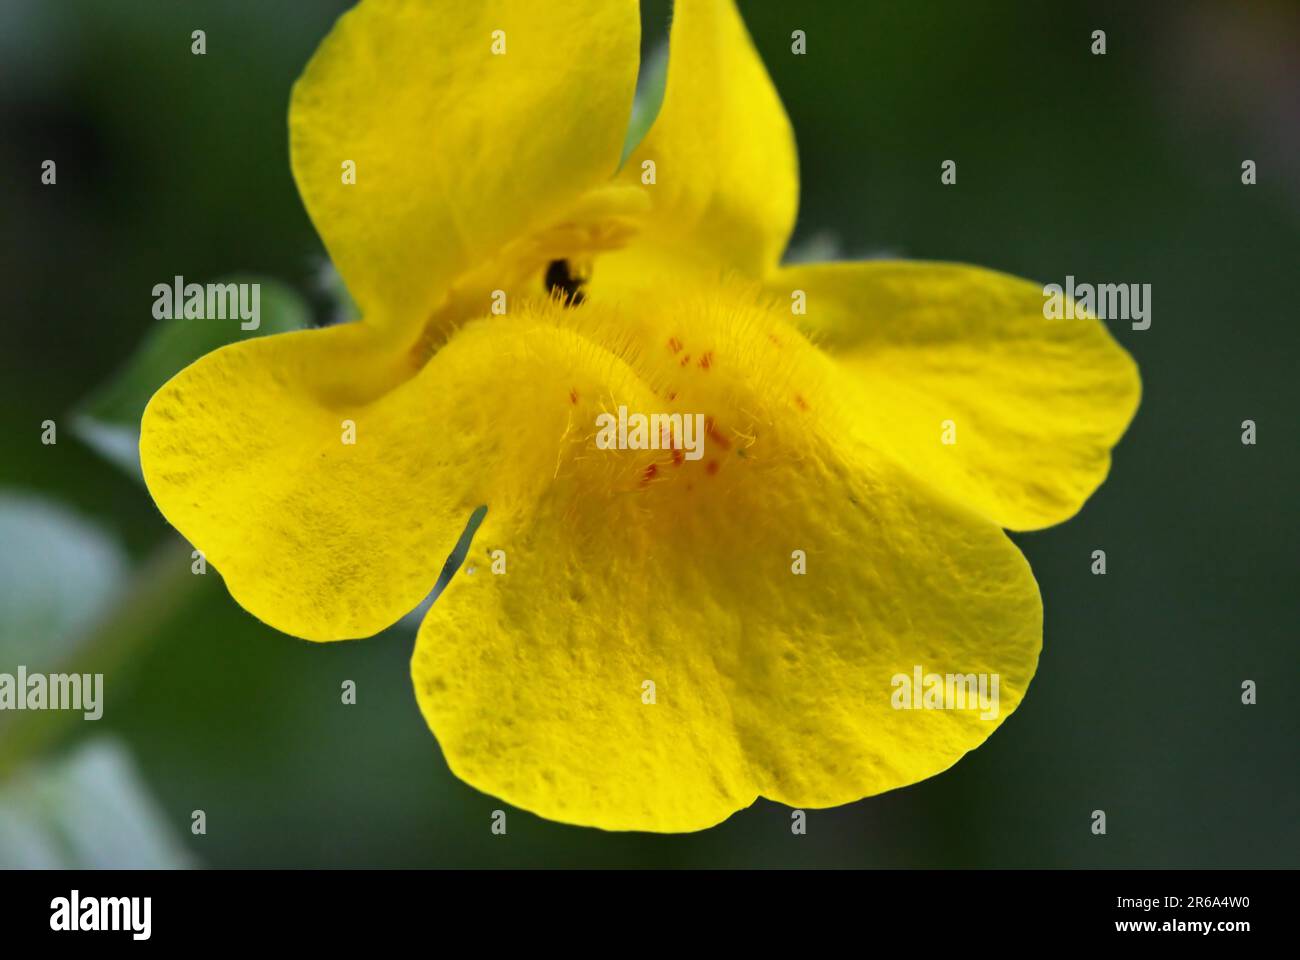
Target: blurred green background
x: 1122, y: 168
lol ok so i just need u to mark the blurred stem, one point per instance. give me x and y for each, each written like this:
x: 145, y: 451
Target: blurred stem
x: 161, y: 587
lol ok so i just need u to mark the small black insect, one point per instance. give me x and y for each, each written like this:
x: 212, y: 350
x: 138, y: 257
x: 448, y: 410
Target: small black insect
x: 560, y: 276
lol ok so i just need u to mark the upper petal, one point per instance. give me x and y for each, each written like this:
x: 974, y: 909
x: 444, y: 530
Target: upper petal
x: 1035, y: 404
x: 726, y: 178
x: 457, y: 150
x: 645, y: 655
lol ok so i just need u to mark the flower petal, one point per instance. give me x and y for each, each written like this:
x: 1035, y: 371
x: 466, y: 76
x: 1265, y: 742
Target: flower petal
x: 637, y: 566
x: 457, y: 149
x: 1036, y: 404
x: 726, y: 173
x: 247, y: 453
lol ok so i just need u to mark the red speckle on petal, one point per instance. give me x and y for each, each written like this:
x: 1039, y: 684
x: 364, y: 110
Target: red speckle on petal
x: 711, y: 431
x: 573, y: 396
x: 672, y: 394
x: 706, y: 360
x: 679, y: 456
x: 674, y: 345
x: 686, y: 359
x: 801, y: 402
x: 712, y: 467
x: 649, y: 473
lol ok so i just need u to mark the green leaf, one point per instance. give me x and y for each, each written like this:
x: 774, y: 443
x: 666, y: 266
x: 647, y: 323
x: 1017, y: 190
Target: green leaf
x: 89, y: 810
x: 109, y: 421
x: 58, y: 574
x: 649, y: 98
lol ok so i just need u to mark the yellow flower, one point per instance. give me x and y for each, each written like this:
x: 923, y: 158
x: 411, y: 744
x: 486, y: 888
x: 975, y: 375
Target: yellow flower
x: 670, y: 638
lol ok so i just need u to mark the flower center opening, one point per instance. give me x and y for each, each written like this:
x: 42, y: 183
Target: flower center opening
x: 563, y: 282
